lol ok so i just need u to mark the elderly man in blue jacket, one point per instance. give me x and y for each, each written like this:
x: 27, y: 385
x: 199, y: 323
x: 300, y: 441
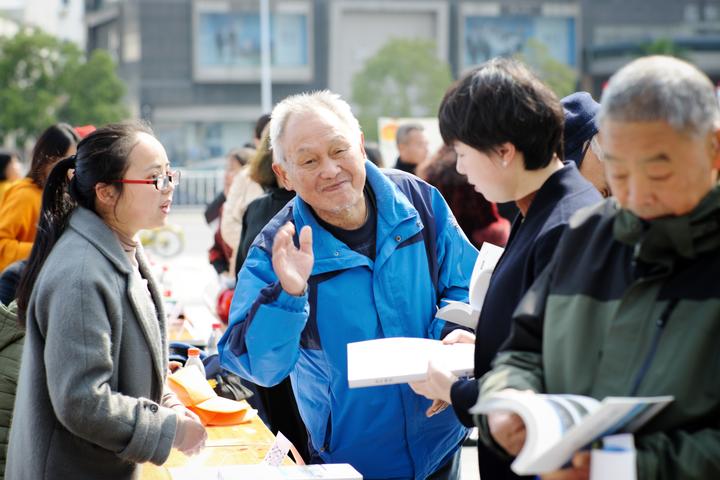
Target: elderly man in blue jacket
x: 359, y: 254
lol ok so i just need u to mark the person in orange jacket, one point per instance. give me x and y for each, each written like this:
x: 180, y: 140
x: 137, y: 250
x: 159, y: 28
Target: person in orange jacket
x: 10, y: 170
x: 20, y: 209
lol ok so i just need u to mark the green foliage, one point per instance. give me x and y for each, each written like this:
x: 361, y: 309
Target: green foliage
x: 403, y: 79
x: 94, y: 92
x: 45, y: 80
x: 663, y: 46
x: 561, y: 78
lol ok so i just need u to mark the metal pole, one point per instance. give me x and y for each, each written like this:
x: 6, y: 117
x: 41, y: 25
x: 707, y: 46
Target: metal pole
x: 265, y: 81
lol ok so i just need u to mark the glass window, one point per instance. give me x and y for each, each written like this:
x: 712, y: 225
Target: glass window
x: 692, y: 12
x: 485, y: 37
x: 227, y: 41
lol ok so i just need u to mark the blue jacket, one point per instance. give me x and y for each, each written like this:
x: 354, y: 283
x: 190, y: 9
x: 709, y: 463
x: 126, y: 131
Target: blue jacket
x: 382, y: 431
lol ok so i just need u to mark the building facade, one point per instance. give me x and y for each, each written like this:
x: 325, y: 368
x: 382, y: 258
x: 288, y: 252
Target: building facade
x: 616, y: 31
x: 192, y: 66
x: 60, y: 18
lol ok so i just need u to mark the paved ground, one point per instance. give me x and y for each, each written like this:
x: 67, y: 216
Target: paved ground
x: 194, y: 281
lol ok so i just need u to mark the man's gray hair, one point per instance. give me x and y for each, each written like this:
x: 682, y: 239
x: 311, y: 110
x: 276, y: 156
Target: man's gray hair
x: 307, y: 103
x: 660, y: 88
x: 402, y: 134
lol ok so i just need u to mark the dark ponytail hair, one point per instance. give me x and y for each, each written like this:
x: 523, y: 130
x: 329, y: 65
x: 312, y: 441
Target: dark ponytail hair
x: 52, y: 145
x: 102, y: 157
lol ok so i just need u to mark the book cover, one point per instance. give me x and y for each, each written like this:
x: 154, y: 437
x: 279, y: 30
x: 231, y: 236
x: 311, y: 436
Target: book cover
x: 387, y: 361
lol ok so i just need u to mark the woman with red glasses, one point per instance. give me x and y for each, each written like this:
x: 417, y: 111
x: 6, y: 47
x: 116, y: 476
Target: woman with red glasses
x: 91, y: 400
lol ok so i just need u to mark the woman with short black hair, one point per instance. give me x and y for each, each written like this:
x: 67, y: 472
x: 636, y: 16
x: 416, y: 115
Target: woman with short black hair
x: 506, y: 127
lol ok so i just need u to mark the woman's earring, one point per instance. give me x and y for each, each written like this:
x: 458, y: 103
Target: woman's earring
x: 504, y: 163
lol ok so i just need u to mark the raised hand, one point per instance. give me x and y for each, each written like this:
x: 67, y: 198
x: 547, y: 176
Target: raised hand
x: 293, y: 265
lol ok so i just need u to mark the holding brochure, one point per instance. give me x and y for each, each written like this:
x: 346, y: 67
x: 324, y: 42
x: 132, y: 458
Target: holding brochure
x: 387, y: 361
x: 557, y: 426
x: 467, y: 314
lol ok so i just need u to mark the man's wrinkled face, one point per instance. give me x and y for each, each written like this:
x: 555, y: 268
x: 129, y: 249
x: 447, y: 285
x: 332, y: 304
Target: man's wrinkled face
x: 324, y: 162
x: 656, y: 171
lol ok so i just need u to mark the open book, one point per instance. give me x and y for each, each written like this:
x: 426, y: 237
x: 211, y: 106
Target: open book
x: 557, y: 426
x: 387, y: 361
x: 467, y: 314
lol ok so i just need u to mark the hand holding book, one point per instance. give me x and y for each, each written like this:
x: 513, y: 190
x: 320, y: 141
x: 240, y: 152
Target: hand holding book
x: 578, y: 470
x: 555, y: 427
x: 437, y: 385
x: 508, y: 431
x: 439, y: 381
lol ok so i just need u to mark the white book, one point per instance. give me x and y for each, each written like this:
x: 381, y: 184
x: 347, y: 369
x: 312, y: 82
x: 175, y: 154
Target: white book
x: 387, y: 361
x: 465, y: 314
x: 330, y: 471
x: 557, y: 426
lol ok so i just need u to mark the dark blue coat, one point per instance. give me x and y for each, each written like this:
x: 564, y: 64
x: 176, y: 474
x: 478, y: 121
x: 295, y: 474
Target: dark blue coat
x: 532, y: 242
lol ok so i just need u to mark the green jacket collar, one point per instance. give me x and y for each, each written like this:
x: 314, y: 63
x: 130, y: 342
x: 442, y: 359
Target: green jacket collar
x: 662, y: 242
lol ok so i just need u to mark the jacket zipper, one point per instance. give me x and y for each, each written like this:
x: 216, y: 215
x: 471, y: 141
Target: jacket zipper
x: 328, y: 433
x: 660, y: 327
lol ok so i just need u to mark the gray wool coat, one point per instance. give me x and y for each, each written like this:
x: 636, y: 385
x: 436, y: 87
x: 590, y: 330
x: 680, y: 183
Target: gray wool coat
x: 93, y: 368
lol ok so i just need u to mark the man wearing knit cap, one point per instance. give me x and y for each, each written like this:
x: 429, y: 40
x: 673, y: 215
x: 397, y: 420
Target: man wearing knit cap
x: 580, y: 144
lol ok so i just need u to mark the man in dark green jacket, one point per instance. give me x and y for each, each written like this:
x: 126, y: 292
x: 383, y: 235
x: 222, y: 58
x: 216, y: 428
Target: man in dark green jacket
x: 630, y: 304
x: 11, y: 340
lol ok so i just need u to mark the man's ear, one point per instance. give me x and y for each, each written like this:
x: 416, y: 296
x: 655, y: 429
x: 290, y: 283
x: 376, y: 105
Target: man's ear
x: 106, y: 194
x: 715, y: 148
x: 362, y: 144
x: 283, y: 176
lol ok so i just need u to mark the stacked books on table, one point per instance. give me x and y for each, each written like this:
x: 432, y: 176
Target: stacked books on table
x: 340, y: 471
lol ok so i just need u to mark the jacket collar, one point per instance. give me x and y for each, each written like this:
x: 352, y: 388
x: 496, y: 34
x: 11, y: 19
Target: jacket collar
x: 396, y: 217
x: 563, y: 182
x: 10, y: 331
x: 91, y: 227
x: 661, y: 243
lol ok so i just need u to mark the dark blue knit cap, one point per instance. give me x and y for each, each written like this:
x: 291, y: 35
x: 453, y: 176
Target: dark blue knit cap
x: 580, y: 111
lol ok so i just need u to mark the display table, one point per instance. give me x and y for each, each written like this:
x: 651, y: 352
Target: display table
x: 239, y: 444
x: 193, y: 325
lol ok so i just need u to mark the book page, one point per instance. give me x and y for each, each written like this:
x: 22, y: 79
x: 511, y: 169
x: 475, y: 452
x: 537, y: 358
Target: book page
x: 545, y: 421
x: 559, y: 425
x: 485, y: 264
x: 467, y: 314
x: 612, y: 416
x: 459, y: 313
x: 395, y: 360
